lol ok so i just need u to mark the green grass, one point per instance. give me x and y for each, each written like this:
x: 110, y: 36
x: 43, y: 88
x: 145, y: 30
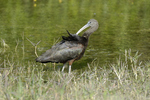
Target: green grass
x: 126, y: 79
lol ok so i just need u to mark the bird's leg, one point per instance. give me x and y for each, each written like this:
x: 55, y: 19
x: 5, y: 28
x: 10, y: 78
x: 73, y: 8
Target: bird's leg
x: 63, y: 67
x: 70, y: 63
x: 69, y: 69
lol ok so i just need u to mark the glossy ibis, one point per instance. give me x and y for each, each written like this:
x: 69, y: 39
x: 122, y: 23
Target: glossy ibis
x: 71, y: 48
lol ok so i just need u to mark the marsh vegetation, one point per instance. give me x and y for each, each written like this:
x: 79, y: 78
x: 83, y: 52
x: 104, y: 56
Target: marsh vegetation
x: 115, y: 65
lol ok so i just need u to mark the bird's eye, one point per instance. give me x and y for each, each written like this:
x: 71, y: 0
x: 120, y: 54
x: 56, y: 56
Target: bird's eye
x: 89, y: 22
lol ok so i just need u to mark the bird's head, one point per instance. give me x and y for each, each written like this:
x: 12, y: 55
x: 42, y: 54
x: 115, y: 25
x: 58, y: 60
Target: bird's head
x: 93, y: 24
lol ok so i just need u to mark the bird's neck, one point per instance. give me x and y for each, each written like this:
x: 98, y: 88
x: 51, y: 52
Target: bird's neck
x: 87, y: 33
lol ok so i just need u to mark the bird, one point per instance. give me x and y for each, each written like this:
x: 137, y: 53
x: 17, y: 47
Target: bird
x: 71, y: 48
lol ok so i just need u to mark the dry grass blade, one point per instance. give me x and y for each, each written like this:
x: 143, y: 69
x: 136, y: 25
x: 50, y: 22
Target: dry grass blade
x: 35, y: 46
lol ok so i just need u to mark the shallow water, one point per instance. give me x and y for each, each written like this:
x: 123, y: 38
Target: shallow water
x: 123, y: 25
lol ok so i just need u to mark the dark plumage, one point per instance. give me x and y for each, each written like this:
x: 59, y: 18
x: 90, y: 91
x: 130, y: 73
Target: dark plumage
x: 71, y: 37
x: 71, y: 48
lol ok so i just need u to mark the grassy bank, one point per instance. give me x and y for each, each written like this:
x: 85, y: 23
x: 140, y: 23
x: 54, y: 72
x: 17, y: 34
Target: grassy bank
x: 127, y: 78
x: 123, y: 24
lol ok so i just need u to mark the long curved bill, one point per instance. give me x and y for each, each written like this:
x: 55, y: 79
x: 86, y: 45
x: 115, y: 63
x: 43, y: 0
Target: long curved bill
x: 84, y: 27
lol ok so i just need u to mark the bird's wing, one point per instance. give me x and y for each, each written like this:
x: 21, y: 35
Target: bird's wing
x: 61, y: 52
